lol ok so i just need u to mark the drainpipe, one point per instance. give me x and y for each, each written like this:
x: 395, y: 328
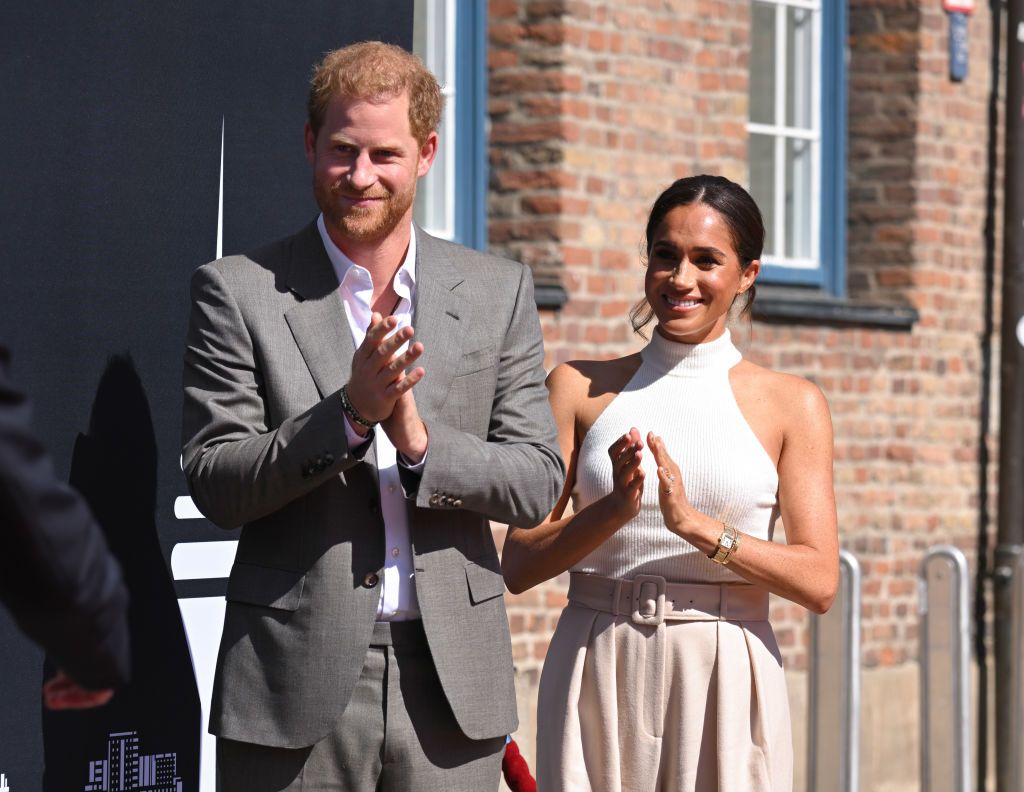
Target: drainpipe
x: 1007, y: 587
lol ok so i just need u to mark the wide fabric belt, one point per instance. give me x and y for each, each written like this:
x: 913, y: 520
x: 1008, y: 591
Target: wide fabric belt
x: 651, y: 600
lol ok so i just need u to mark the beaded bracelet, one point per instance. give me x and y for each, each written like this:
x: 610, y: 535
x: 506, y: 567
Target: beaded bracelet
x: 352, y: 412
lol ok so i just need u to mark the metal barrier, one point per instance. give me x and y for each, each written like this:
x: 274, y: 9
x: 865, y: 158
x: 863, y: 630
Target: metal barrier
x: 945, y: 671
x: 833, y: 733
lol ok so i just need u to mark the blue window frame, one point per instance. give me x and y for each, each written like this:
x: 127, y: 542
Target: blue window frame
x: 797, y: 131
x: 451, y: 201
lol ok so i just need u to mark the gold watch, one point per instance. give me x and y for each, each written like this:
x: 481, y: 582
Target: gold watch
x: 728, y: 543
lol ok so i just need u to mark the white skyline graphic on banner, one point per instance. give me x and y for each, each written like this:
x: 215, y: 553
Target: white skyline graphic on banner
x: 125, y: 770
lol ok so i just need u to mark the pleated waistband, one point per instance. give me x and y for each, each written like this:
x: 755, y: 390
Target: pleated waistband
x: 650, y: 599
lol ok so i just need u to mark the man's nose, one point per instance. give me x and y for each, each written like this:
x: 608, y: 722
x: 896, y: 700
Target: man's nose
x: 361, y: 175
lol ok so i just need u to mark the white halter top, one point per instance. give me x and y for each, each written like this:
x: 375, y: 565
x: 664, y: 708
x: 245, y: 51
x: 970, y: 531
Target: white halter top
x: 682, y: 393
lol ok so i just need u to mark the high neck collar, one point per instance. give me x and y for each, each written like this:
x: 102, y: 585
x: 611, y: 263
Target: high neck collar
x: 690, y: 360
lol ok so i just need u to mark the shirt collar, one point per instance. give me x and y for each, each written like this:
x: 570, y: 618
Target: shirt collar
x: 405, y: 278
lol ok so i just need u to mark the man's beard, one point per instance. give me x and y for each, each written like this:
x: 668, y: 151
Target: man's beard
x: 363, y: 224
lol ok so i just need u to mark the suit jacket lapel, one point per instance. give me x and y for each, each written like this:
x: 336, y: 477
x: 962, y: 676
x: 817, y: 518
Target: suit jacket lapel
x: 437, y: 317
x: 318, y: 322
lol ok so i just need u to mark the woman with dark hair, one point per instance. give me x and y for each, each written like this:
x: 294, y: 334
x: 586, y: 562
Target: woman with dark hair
x: 664, y: 673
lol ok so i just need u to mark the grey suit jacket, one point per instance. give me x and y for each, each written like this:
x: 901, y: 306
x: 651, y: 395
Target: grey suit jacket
x: 268, y: 349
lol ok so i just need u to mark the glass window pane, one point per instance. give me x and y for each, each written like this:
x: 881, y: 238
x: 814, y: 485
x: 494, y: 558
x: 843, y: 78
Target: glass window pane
x: 434, y: 208
x: 429, y: 30
x: 762, y: 64
x: 430, y: 209
x: 799, y: 212
x: 800, y: 65
x: 762, y: 182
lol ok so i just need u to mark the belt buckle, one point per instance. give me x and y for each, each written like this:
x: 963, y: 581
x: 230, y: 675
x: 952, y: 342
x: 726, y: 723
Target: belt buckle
x: 648, y: 589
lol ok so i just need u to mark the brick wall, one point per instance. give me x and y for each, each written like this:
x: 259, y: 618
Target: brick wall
x: 596, y: 107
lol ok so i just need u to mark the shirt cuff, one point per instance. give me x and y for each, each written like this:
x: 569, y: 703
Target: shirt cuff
x: 357, y: 444
x: 410, y: 475
x: 417, y: 468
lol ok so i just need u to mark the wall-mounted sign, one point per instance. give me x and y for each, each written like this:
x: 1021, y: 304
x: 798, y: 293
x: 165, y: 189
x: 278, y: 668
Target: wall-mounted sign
x: 958, y: 6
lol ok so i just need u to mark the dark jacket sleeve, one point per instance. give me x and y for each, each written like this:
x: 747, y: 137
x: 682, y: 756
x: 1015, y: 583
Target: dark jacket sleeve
x: 57, y: 576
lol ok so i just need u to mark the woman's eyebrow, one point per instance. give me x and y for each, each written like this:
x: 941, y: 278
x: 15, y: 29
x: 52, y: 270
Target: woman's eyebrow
x: 709, y: 249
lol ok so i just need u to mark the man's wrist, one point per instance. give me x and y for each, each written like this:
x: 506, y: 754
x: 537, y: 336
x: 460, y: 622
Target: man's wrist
x: 414, y: 453
x: 359, y: 423
x: 411, y: 459
x: 356, y: 430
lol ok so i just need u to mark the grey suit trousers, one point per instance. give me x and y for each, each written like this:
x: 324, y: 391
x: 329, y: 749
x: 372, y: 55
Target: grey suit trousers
x: 397, y: 734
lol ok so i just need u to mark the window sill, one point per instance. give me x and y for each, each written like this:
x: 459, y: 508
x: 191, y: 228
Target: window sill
x: 801, y: 306
x: 550, y: 296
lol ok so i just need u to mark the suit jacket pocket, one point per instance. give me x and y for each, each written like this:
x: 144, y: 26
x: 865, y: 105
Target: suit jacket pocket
x: 477, y: 360
x: 484, y: 583
x: 266, y: 586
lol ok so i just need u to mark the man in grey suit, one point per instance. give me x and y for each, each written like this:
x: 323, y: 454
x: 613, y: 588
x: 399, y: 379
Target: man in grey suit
x: 365, y: 643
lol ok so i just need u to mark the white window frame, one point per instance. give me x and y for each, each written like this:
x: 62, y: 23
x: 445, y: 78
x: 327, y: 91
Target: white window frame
x: 806, y: 210
x: 435, y: 44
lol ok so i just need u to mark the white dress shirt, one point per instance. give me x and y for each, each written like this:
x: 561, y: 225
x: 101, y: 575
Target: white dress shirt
x: 398, y: 591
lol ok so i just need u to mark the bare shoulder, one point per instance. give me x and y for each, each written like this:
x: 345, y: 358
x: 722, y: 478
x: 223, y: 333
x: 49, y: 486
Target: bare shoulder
x: 586, y: 387
x: 796, y: 403
x: 599, y: 375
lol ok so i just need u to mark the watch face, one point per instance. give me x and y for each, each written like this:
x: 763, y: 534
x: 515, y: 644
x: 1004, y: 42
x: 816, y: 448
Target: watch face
x: 726, y: 542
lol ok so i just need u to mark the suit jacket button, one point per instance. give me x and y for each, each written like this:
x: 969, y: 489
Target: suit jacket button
x: 434, y: 499
x: 370, y: 580
x: 457, y: 503
x: 329, y: 459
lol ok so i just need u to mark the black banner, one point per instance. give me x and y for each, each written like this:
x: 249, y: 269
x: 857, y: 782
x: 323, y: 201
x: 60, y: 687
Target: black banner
x: 138, y: 141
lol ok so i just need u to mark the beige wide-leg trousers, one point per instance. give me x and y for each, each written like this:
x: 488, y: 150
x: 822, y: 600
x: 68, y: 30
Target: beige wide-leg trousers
x: 689, y: 700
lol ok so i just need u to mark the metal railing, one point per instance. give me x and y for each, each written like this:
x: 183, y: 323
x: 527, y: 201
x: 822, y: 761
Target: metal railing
x: 833, y: 729
x: 833, y: 740
x: 945, y: 671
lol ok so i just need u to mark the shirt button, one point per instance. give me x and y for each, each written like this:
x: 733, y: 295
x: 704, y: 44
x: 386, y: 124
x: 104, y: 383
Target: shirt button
x: 370, y: 580
x: 394, y: 552
x: 391, y: 487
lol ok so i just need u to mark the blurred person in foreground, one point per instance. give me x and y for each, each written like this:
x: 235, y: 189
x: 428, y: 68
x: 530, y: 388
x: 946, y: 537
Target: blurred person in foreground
x: 664, y: 673
x: 57, y: 576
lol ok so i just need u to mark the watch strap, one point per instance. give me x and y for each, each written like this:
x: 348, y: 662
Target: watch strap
x: 728, y: 543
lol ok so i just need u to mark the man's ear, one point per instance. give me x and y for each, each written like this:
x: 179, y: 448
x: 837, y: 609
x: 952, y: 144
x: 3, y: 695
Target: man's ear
x: 310, y: 140
x: 428, y: 151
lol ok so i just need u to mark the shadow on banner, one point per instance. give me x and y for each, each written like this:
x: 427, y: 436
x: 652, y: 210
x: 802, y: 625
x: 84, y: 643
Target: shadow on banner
x: 148, y: 736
